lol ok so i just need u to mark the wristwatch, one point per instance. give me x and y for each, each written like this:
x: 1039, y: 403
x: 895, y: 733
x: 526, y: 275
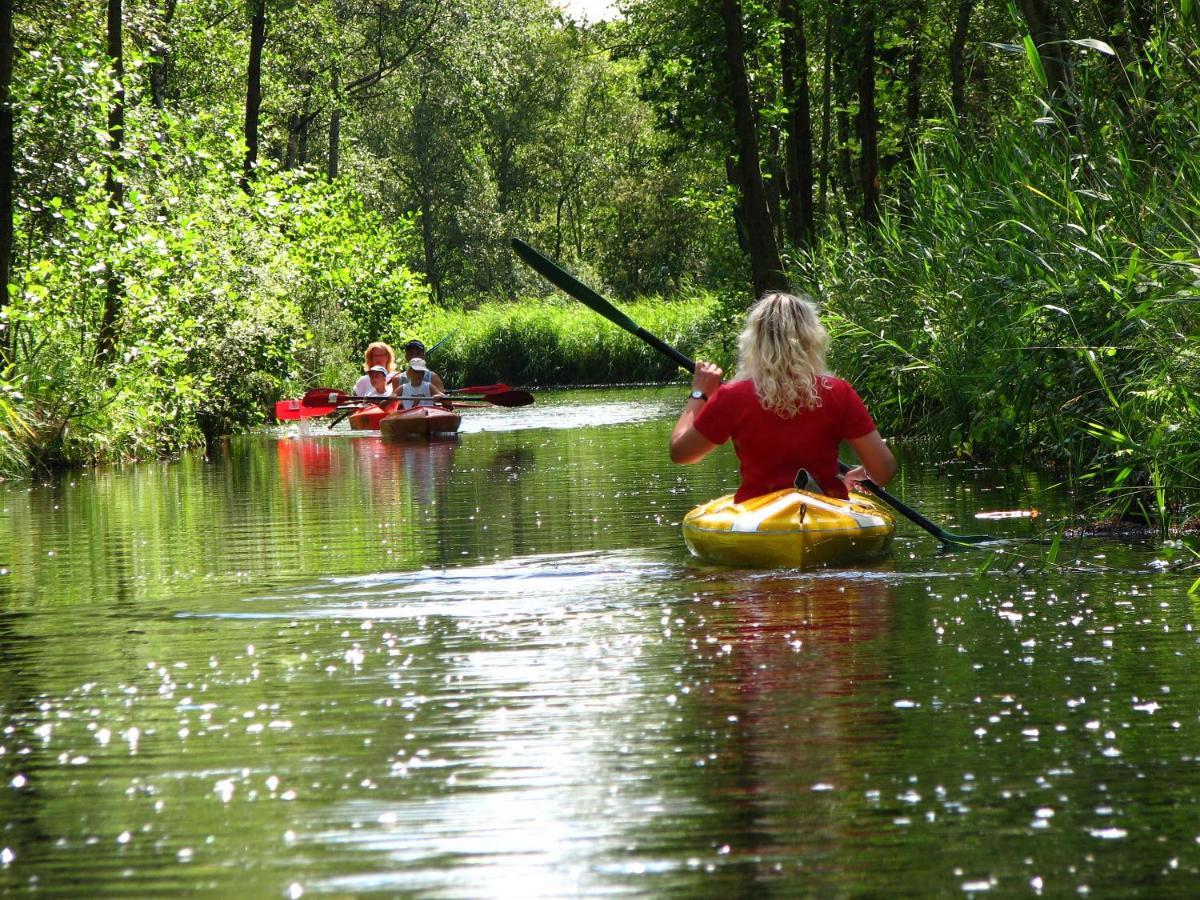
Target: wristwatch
x: 698, y: 395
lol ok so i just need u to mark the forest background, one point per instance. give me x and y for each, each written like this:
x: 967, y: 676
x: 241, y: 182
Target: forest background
x: 206, y: 205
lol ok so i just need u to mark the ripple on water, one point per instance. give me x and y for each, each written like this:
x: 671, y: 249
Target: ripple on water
x: 488, y: 668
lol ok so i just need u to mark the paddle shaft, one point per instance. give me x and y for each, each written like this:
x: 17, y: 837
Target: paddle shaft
x: 585, y: 295
x: 511, y: 397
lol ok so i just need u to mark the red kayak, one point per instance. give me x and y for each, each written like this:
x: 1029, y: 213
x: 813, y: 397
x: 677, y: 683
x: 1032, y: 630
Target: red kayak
x: 419, y: 422
x: 369, y: 417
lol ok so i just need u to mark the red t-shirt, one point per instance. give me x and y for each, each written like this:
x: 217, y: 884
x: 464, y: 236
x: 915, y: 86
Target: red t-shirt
x: 771, y: 448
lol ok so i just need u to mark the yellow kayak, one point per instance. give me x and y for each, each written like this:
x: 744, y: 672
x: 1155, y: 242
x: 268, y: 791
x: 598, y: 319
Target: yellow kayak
x: 789, y: 528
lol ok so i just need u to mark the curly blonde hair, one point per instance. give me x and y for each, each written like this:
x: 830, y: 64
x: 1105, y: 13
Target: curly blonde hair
x: 379, y: 345
x: 782, y: 350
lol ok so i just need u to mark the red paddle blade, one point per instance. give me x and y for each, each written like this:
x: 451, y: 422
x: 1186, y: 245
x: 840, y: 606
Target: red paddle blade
x: 503, y: 398
x: 290, y: 410
x: 322, y: 396
x: 482, y: 389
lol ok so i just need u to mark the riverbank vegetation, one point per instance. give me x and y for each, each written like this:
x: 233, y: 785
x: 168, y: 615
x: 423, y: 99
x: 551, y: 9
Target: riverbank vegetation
x: 548, y: 342
x: 206, y: 206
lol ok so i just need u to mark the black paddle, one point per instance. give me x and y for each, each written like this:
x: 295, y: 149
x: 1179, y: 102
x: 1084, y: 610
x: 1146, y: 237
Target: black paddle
x: 589, y: 298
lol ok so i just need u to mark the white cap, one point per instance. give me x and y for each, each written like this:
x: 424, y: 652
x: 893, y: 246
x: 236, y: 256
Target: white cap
x: 380, y: 369
x: 418, y: 364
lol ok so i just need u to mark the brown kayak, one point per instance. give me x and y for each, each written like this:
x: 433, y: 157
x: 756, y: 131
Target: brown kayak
x: 419, y: 422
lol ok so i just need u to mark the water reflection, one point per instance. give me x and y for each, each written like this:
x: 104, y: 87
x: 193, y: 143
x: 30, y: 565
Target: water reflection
x: 790, y: 680
x: 325, y: 664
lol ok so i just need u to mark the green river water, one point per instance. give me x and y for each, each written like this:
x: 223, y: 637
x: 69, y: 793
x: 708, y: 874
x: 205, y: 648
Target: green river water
x: 322, y: 665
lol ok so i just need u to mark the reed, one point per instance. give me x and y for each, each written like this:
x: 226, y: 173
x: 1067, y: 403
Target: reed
x: 547, y: 341
x: 1040, y: 298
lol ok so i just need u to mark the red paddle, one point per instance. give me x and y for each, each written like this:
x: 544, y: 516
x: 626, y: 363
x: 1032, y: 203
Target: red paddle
x: 482, y: 389
x: 323, y: 401
x: 288, y: 410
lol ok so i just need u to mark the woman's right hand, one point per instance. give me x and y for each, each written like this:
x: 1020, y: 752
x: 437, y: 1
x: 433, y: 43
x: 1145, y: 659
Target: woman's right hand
x: 707, y: 378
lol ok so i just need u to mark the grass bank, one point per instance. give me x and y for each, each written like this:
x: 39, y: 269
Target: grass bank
x: 545, y: 341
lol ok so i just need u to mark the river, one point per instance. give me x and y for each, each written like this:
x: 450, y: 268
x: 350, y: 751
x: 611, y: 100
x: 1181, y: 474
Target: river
x: 319, y: 664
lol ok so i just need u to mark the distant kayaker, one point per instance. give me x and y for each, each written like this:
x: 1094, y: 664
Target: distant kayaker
x: 378, y: 386
x: 785, y: 411
x: 416, y: 387
x: 376, y: 354
x: 415, y: 349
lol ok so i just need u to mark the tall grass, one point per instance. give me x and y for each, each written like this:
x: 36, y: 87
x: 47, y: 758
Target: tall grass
x: 552, y: 341
x: 1041, y: 296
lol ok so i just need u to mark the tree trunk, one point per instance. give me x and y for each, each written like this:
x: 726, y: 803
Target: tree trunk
x: 106, y: 340
x: 6, y: 169
x: 916, y: 64
x: 826, y: 110
x: 868, y: 125
x: 801, y: 224
x: 428, y: 242
x: 302, y: 143
x: 299, y: 123
x: 843, y: 62
x: 1141, y: 25
x: 335, y: 126
x: 958, y: 44
x: 774, y: 183
x: 258, y: 36
x: 765, y: 265
x: 733, y: 173
x: 293, y: 144
x: 161, y: 53
x: 1046, y: 31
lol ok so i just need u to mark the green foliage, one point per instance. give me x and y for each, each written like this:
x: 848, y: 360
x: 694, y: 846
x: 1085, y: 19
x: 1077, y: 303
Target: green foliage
x: 227, y: 300
x: 554, y: 342
x: 1039, y: 296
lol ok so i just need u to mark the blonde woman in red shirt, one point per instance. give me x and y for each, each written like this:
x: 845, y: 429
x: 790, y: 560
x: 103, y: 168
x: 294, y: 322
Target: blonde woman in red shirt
x: 785, y: 411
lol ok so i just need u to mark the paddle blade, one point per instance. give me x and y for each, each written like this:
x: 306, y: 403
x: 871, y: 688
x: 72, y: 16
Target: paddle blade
x: 504, y: 398
x: 482, y: 389
x: 571, y: 285
x: 322, y: 396
x: 287, y: 410
x: 290, y: 410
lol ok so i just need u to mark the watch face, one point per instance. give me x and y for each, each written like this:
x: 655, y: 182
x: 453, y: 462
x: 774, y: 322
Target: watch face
x: 697, y: 395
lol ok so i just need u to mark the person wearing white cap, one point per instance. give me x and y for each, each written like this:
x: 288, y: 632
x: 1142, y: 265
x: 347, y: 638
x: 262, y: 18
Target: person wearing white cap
x: 416, y: 385
x: 373, y: 384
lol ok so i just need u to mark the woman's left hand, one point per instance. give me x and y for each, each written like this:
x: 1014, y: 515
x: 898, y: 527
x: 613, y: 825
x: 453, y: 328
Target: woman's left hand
x: 854, y: 477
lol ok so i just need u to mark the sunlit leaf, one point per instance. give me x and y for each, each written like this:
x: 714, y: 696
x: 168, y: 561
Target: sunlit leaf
x: 1094, y: 44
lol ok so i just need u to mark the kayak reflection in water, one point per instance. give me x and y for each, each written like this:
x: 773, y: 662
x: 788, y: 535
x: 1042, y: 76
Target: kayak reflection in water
x: 785, y: 411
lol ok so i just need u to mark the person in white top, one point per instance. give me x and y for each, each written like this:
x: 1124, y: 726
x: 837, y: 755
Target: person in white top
x: 376, y: 354
x: 416, y: 387
x: 376, y: 383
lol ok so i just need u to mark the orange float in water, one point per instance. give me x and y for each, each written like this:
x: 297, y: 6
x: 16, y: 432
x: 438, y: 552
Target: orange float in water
x: 1009, y: 514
